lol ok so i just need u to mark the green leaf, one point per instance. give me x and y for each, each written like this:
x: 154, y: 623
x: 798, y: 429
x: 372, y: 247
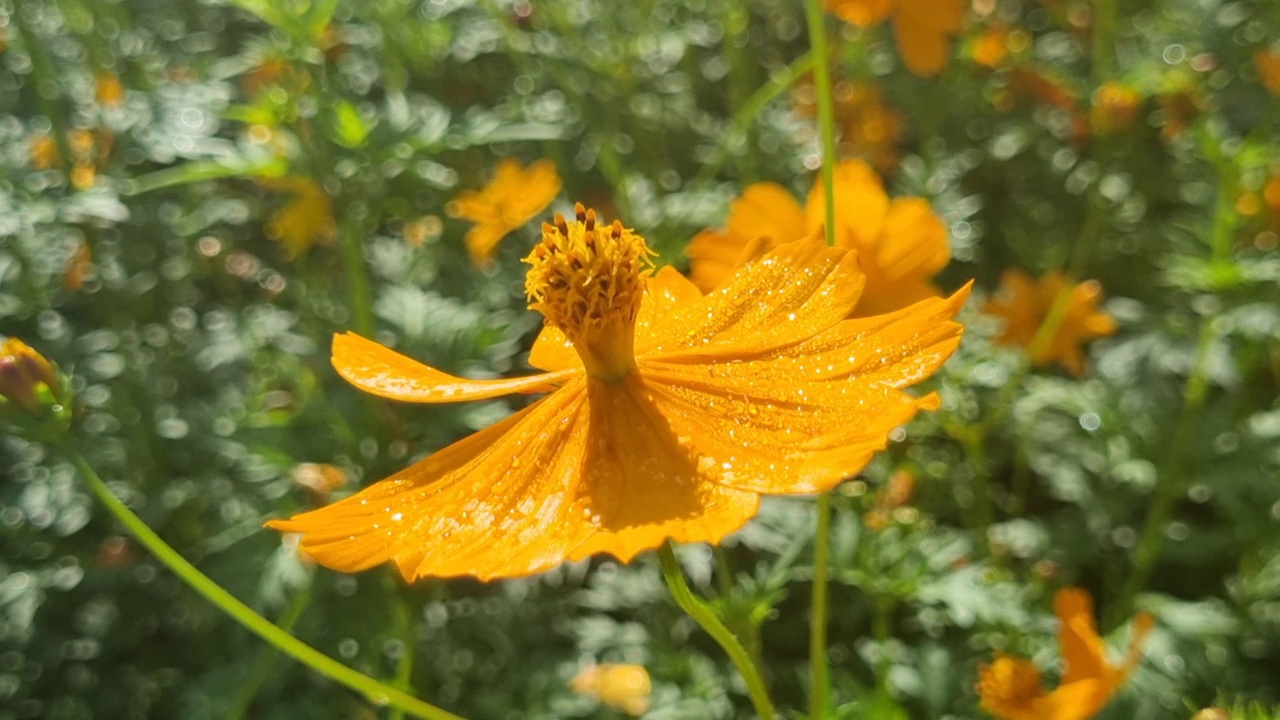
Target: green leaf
x: 349, y: 128
x: 199, y: 171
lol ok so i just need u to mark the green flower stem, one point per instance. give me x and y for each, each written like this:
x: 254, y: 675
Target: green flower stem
x: 1169, y: 483
x: 44, y: 74
x: 267, y: 656
x: 1104, y: 31
x: 374, y: 691
x: 406, y: 627
x: 819, y: 677
x: 750, y: 108
x: 359, y: 294
x: 707, y: 620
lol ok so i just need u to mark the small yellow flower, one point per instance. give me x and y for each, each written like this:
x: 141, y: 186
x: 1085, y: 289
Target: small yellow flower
x: 512, y: 198
x: 622, y: 687
x: 108, y: 90
x: 901, y: 244
x: 1024, y: 304
x: 1010, y: 688
x: 305, y: 219
x: 1268, y: 63
x: 922, y: 28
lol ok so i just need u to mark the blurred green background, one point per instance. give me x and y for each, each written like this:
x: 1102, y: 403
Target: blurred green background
x: 196, y: 195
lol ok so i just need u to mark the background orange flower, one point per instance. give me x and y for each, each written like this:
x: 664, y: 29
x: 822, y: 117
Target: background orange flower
x: 1024, y: 304
x: 512, y: 198
x: 922, y: 28
x: 900, y: 243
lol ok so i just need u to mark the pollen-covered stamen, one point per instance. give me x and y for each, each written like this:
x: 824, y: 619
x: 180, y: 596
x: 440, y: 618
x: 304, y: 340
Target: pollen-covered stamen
x: 588, y: 281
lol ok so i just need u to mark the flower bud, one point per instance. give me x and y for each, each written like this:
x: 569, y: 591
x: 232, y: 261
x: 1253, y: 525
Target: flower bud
x: 31, y: 390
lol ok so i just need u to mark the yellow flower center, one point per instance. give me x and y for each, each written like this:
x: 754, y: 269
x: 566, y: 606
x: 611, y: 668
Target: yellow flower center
x: 1009, y: 687
x: 588, y: 281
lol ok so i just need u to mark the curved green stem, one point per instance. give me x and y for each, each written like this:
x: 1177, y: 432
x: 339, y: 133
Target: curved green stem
x: 1169, y: 483
x: 267, y: 656
x: 359, y: 295
x: 750, y: 108
x: 819, y: 676
x: 707, y: 620
x: 376, y: 692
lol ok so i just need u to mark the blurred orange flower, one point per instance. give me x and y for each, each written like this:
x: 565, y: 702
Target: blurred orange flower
x: 1268, y: 63
x: 1115, y: 107
x: 305, y: 219
x: 622, y: 687
x: 869, y: 128
x: 512, y: 198
x: 1025, y: 303
x: 669, y: 412
x: 108, y: 90
x: 89, y: 151
x: 922, y: 28
x: 1010, y: 688
x: 901, y: 244
x: 79, y: 268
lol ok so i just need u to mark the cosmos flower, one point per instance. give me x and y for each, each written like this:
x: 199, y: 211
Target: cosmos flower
x: 305, y: 219
x: 1010, y: 688
x: 622, y: 687
x: 668, y: 414
x: 514, y: 197
x: 922, y: 28
x: 1024, y: 304
x: 900, y: 242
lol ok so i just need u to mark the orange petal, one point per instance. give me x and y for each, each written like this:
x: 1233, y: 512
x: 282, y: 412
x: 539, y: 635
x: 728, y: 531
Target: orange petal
x: 809, y: 287
x: 586, y: 470
x: 922, y: 28
x: 712, y: 257
x: 1079, y: 700
x: 861, y: 205
x: 383, y: 372
x: 643, y: 486
x: 914, y: 243
x: 801, y: 418
x: 1082, y: 649
x: 500, y: 503
x: 764, y: 210
x: 861, y: 12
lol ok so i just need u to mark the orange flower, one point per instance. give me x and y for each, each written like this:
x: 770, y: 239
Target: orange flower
x: 622, y: 687
x: 89, y: 151
x: 900, y: 242
x: 670, y: 412
x: 511, y: 199
x: 79, y: 268
x: 1010, y: 687
x: 1268, y: 64
x: 305, y: 219
x: 1115, y: 107
x: 921, y: 27
x: 108, y: 90
x: 1024, y: 304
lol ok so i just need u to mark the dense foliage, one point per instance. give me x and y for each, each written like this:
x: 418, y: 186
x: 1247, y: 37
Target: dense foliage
x: 197, y: 195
